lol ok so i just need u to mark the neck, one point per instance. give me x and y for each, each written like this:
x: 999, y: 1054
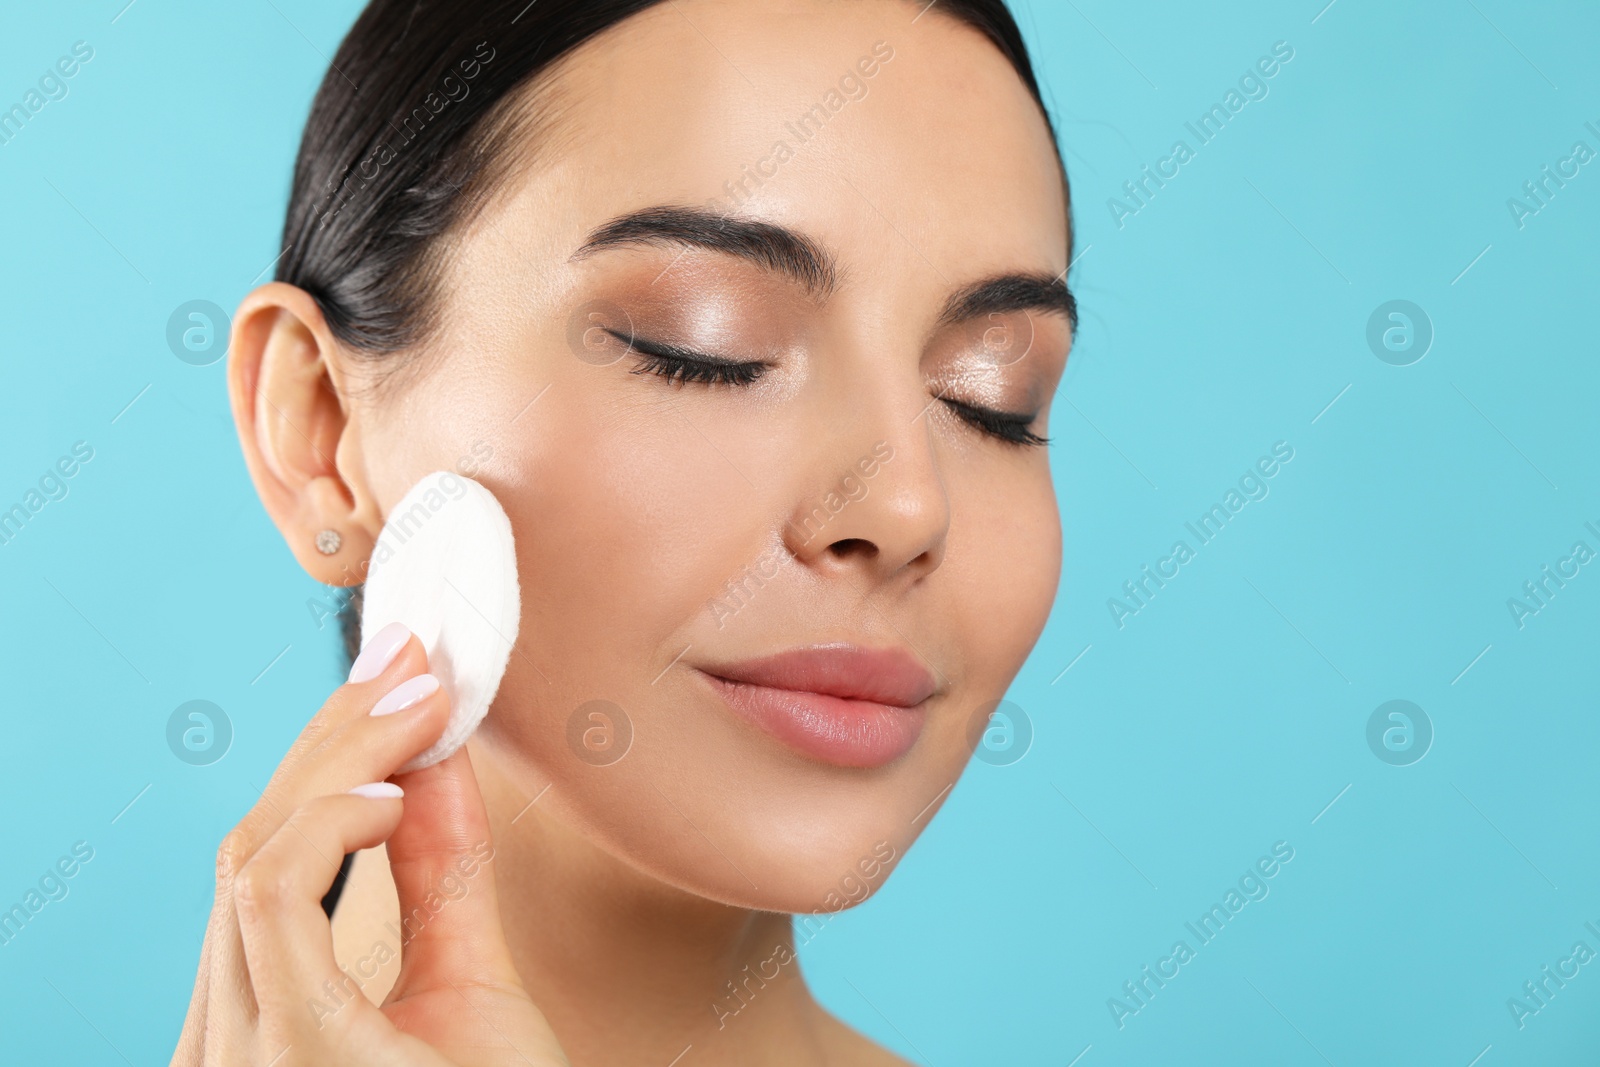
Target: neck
x: 627, y: 968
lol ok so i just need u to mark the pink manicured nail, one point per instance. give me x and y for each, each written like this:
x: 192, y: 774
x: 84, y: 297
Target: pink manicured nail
x: 379, y: 652
x: 406, y: 694
x: 379, y: 791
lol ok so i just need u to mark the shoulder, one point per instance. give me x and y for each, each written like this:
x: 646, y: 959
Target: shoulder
x: 850, y: 1048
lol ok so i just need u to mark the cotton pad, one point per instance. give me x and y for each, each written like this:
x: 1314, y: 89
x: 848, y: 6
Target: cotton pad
x: 445, y: 567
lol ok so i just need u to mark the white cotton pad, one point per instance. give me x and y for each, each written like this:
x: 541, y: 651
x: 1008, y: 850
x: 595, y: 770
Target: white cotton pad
x: 445, y: 568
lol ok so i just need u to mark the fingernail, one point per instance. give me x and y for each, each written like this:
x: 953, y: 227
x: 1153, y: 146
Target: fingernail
x: 406, y: 694
x: 379, y: 652
x: 379, y: 790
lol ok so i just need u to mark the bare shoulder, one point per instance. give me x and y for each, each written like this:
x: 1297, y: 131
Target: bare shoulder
x: 850, y: 1048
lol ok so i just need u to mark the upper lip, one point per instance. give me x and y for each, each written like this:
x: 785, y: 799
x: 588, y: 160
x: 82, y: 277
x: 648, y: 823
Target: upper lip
x: 890, y: 676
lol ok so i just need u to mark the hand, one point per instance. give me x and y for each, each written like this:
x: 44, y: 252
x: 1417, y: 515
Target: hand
x: 269, y: 946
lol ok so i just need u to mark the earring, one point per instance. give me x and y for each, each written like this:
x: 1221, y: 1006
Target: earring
x: 328, y: 542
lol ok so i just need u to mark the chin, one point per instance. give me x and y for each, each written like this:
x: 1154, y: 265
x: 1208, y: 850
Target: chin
x: 709, y: 802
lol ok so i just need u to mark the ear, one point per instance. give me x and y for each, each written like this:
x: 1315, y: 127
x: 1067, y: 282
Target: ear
x: 287, y: 385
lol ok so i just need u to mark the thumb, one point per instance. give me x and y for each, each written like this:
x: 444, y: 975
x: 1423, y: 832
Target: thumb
x: 441, y: 856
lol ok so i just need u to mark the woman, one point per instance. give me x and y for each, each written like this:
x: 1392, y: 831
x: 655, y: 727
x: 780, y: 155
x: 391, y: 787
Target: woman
x: 750, y: 314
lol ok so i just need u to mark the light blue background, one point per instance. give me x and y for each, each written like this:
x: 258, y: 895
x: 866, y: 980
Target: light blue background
x: 1225, y: 716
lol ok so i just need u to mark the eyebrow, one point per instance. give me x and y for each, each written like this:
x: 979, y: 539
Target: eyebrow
x: 776, y: 248
x: 1012, y: 292
x: 803, y: 260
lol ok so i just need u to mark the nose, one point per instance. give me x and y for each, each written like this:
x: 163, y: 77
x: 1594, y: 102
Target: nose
x: 876, y: 506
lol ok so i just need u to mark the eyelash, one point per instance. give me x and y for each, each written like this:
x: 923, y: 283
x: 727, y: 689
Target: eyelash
x: 1009, y: 427
x: 681, y: 366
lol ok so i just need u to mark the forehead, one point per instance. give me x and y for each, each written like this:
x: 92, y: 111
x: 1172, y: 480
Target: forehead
x: 903, y: 141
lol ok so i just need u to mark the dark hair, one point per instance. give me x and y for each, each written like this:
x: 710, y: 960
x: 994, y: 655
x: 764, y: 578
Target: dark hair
x: 414, y: 126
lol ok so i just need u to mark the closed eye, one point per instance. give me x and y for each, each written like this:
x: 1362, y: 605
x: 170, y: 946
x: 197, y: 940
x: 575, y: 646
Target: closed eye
x: 684, y: 365
x: 1008, y: 426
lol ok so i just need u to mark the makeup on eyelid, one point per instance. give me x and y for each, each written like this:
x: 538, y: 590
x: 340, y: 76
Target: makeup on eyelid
x: 680, y: 365
x: 697, y: 320
x: 998, y: 389
x: 713, y: 302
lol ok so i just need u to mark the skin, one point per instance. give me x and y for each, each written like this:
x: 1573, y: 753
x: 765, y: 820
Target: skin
x: 633, y: 893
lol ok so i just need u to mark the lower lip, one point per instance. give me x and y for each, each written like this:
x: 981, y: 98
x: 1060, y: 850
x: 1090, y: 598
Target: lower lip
x: 845, y: 733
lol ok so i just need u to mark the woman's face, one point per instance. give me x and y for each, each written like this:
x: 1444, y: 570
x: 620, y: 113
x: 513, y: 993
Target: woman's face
x: 878, y: 169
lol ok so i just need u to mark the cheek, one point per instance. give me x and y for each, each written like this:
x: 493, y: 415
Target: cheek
x: 1002, y: 569
x: 623, y: 536
x: 1011, y: 556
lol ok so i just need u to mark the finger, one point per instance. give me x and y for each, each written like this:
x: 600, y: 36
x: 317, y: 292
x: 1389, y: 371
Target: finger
x: 191, y: 1040
x: 388, y: 657
x: 287, y: 939
x: 230, y: 1005
x: 290, y: 785
x: 311, y: 768
x: 370, y: 748
x: 441, y: 859
x: 391, y: 657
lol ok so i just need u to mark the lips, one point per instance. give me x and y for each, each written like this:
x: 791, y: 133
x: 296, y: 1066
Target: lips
x: 840, y: 704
